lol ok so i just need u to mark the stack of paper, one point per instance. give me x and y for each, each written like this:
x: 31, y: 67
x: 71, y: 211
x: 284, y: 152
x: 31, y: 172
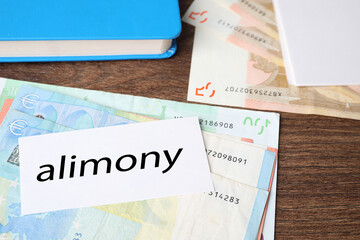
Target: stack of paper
x: 240, y: 145
x: 237, y: 61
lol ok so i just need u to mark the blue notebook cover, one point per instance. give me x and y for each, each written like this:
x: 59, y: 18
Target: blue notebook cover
x: 44, y: 20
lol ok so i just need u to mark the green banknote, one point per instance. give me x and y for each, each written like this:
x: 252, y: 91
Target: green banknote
x: 261, y: 127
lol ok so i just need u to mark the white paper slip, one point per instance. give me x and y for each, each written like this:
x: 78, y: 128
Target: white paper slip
x: 240, y: 161
x: 320, y: 41
x: 112, y: 165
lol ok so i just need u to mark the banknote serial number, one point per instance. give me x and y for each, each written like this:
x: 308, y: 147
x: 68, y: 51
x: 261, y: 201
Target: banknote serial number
x: 225, y: 197
x: 253, y: 7
x: 225, y: 156
x: 216, y: 124
x: 243, y: 31
x: 204, y: 122
x: 253, y: 91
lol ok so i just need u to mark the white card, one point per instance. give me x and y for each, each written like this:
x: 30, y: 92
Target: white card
x: 134, y: 162
x: 319, y: 41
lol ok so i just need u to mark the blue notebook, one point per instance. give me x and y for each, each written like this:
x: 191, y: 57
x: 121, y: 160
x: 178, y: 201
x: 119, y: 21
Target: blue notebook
x: 75, y: 30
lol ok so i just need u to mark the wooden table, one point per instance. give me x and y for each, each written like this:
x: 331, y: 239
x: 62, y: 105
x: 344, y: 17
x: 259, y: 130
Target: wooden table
x: 318, y: 186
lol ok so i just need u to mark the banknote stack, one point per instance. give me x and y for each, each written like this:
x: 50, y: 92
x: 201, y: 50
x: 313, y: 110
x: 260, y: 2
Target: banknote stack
x: 237, y: 61
x: 241, y: 146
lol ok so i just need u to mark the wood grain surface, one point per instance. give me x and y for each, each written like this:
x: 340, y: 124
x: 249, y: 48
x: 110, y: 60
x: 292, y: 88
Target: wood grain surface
x: 318, y: 186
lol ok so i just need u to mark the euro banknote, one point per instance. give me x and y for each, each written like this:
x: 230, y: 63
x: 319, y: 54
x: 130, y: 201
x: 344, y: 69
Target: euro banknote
x: 124, y: 221
x: 250, y: 200
x: 226, y: 75
x: 15, y: 125
x: 64, y: 110
x: 156, y: 219
x: 204, y: 220
x: 259, y: 127
x: 259, y: 13
x: 243, y: 162
x: 233, y: 28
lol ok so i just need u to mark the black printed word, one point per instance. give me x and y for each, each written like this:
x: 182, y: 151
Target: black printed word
x: 48, y: 174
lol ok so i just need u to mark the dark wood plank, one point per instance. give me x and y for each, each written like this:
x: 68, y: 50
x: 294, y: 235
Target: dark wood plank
x: 318, y: 194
